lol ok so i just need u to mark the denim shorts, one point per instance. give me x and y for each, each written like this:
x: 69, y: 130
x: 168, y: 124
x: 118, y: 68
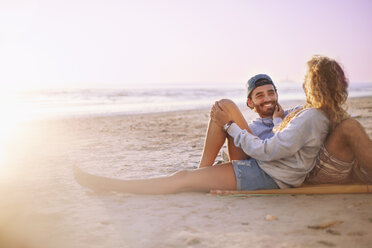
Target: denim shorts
x: 249, y: 176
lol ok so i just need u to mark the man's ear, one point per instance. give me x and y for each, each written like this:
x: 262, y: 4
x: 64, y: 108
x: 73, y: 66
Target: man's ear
x: 249, y: 103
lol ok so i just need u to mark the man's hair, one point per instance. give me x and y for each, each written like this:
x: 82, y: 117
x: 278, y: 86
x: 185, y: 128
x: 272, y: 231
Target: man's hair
x: 256, y: 81
x: 260, y: 82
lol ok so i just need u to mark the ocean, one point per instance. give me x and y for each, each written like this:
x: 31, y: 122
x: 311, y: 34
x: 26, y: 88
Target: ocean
x: 85, y: 102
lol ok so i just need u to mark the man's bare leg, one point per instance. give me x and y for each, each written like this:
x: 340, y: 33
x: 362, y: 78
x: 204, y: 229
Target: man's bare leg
x: 199, y: 180
x: 214, y: 139
x: 349, y: 140
x: 216, y: 136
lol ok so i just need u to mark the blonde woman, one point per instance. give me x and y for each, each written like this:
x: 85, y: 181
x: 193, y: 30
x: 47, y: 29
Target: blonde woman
x: 279, y: 162
x: 346, y: 156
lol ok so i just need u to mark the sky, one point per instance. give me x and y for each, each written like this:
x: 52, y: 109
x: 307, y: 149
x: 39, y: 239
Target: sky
x: 129, y: 43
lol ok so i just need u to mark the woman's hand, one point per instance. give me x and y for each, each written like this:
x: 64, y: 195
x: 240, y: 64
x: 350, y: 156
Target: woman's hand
x: 219, y: 115
x: 278, y: 112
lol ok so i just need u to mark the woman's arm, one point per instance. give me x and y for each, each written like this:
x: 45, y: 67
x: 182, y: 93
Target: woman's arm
x: 306, y: 129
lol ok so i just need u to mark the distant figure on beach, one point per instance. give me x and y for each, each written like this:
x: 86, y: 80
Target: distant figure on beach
x: 322, y: 127
x: 262, y: 96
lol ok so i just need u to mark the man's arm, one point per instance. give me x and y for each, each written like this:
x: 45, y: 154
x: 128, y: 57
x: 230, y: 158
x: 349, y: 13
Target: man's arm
x: 278, y: 114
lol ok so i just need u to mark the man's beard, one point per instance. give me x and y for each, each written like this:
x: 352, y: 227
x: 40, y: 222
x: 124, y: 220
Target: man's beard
x: 264, y: 111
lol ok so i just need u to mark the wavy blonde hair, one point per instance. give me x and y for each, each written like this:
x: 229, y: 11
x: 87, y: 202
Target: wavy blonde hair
x: 325, y: 88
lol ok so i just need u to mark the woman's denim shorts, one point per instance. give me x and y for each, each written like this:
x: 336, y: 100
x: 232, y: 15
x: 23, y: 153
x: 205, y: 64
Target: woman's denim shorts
x: 249, y: 176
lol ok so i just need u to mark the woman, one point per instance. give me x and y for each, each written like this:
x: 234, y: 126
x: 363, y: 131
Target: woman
x: 281, y: 161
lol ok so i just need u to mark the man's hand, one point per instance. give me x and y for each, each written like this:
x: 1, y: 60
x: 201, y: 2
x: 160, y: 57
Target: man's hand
x: 278, y: 112
x: 219, y: 115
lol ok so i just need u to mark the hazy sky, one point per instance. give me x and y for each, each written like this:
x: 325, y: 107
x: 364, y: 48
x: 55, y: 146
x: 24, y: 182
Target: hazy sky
x: 104, y: 43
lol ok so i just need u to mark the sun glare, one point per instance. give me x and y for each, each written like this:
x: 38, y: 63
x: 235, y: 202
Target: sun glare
x: 14, y: 114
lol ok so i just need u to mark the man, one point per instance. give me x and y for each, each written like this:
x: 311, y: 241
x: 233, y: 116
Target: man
x: 262, y: 96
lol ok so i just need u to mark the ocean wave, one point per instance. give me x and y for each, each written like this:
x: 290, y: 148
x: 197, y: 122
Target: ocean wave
x: 78, y: 102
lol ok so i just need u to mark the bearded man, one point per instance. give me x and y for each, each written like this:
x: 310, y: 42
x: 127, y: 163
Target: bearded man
x: 262, y: 97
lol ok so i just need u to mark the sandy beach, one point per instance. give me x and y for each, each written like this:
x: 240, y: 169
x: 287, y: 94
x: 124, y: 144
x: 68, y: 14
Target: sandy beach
x: 43, y: 206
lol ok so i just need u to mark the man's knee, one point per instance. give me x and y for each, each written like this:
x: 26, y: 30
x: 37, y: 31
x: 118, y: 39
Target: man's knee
x: 235, y: 113
x: 228, y: 104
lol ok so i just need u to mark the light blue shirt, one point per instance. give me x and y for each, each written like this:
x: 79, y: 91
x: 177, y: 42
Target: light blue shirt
x: 263, y: 127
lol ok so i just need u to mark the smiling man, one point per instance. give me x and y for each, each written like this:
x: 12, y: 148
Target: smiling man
x: 262, y: 96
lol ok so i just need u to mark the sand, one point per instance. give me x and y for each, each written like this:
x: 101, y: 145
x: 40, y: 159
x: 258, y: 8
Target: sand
x: 43, y: 206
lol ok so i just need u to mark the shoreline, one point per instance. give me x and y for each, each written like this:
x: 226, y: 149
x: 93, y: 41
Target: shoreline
x: 241, y: 105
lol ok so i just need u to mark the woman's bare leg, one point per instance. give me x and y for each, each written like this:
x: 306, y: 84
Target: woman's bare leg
x: 198, y: 180
x: 349, y: 140
x: 216, y: 136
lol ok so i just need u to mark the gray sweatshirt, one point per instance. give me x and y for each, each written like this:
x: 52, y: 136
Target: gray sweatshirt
x: 290, y: 154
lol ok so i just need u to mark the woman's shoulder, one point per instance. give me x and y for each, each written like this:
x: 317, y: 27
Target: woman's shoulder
x: 313, y: 114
